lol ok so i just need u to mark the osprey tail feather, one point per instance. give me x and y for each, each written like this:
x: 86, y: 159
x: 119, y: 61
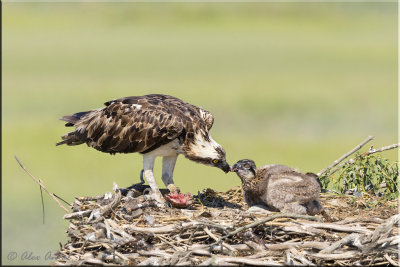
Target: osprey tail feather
x: 70, y: 138
x: 71, y: 120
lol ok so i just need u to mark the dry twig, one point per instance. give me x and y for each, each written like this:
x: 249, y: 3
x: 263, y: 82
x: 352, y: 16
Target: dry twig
x: 208, y: 234
x: 336, y: 162
x: 42, y: 186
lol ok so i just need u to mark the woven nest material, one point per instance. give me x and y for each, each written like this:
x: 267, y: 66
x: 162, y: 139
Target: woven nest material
x: 127, y: 228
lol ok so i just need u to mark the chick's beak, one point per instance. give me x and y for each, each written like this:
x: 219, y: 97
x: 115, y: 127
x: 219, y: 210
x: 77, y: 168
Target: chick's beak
x: 235, y: 168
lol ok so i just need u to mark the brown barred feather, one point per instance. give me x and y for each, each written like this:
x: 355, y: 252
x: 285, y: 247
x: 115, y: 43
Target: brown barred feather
x: 137, y: 124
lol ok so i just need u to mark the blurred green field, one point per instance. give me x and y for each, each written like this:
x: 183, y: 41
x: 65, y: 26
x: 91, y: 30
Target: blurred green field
x: 290, y: 83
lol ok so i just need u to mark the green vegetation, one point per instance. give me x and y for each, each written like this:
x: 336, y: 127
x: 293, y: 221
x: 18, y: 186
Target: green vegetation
x: 289, y: 83
x: 366, y: 171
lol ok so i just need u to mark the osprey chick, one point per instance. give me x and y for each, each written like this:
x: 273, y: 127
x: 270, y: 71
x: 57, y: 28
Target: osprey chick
x: 153, y: 125
x: 279, y: 187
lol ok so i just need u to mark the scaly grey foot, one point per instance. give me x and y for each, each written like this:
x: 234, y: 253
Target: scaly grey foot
x: 173, y: 189
x: 157, y: 197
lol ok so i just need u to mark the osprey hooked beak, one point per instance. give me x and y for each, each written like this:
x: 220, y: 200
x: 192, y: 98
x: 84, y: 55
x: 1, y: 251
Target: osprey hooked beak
x: 224, y: 166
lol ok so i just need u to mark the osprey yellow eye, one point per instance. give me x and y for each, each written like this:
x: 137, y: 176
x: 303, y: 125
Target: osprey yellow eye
x: 215, y: 161
x: 247, y: 166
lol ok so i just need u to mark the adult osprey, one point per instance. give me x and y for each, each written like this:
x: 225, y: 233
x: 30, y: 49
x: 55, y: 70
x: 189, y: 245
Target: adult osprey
x: 153, y: 125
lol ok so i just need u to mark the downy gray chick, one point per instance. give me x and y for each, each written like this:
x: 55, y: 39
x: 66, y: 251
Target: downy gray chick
x: 279, y: 187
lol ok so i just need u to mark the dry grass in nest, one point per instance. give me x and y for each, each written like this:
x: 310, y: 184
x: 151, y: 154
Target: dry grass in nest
x: 126, y: 228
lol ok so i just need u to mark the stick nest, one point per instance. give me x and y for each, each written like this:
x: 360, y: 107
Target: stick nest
x: 127, y: 228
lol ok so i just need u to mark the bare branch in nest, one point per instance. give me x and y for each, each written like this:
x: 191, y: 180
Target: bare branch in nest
x: 105, y: 210
x: 336, y: 162
x: 344, y: 241
x: 372, y: 150
x: 369, y: 152
x: 390, y: 260
x: 223, y: 260
x: 42, y: 186
x: 337, y: 256
x: 340, y: 228
x: 79, y: 214
x: 182, y: 237
x: 269, y: 218
x: 216, y: 239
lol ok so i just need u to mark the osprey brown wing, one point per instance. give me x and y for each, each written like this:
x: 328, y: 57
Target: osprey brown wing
x: 126, y: 125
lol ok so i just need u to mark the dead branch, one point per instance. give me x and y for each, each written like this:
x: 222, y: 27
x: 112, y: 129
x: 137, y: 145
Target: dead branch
x: 42, y: 185
x: 78, y: 214
x: 340, y: 228
x: 298, y: 256
x: 216, y: 239
x: 392, y: 262
x: 105, y: 210
x: 269, y: 218
x: 221, y: 260
x: 372, y: 150
x: 344, y: 241
x: 290, y: 244
x: 336, y: 162
x: 125, y: 236
x: 160, y: 230
x: 338, y: 256
x: 369, y: 152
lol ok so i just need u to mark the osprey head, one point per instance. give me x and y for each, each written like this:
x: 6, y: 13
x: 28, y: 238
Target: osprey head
x: 245, y: 169
x: 206, y: 151
x: 220, y: 161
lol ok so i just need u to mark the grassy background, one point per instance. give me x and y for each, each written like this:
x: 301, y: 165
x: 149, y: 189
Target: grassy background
x: 289, y: 83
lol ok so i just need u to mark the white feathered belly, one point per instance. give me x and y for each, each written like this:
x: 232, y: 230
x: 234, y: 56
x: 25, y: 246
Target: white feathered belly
x: 170, y: 149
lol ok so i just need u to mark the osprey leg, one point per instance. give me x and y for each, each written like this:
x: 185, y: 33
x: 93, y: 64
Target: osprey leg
x: 168, y: 166
x: 148, y: 164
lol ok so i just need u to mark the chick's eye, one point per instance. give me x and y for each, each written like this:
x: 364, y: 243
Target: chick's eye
x: 215, y: 161
x: 247, y: 166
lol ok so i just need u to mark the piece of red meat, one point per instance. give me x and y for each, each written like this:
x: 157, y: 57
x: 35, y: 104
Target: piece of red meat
x: 179, y: 200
